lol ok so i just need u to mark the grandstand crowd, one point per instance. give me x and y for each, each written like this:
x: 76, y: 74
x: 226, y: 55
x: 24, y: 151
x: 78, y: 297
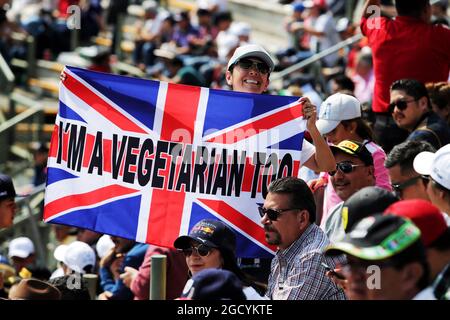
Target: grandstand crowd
x: 367, y: 218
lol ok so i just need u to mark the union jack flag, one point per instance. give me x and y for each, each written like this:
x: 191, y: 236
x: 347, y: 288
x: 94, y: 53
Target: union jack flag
x: 146, y: 160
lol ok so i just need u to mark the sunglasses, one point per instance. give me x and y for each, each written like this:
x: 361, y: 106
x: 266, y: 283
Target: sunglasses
x: 246, y: 64
x: 400, y: 104
x: 273, y: 214
x: 202, y: 250
x: 398, y: 187
x: 345, y: 167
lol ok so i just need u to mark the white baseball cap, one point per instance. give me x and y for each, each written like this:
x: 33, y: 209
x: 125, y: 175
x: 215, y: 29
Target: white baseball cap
x: 104, y: 244
x: 78, y: 255
x: 21, y: 247
x: 436, y: 165
x: 60, y: 252
x: 251, y: 50
x: 240, y: 29
x: 336, y: 108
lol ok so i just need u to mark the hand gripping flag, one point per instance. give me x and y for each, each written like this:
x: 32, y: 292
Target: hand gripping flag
x: 146, y: 160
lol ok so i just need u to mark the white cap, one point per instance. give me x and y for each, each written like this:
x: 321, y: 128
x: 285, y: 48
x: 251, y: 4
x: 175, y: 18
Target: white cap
x: 252, y: 50
x: 225, y: 44
x: 60, y: 252
x: 79, y: 255
x: 240, y: 29
x: 336, y: 108
x: 436, y: 165
x: 104, y: 244
x: 21, y: 247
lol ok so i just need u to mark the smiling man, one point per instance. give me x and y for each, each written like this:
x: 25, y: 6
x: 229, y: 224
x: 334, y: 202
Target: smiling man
x: 288, y: 217
x: 411, y: 110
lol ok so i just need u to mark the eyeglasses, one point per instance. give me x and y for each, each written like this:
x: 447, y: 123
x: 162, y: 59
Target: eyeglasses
x: 273, y: 214
x: 246, y: 64
x: 398, y: 187
x: 345, y: 167
x: 202, y: 250
x: 400, y: 104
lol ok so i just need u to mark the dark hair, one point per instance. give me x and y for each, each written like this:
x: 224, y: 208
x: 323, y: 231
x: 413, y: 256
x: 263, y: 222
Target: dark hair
x: 300, y: 194
x: 412, y: 8
x: 414, y: 253
x: 439, y: 94
x: 222, y: 16
x: 413, y: 88
x: 344, y: 82
x: 404, y: 153
x: 78, y: 291
x: 442, y: 243
x: 362, y: 128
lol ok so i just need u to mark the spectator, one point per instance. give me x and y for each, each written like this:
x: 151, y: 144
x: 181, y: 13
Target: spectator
x: 406, y: 182
x: 126, y: 253
x: 104, y: 245
x: 7, y: 201
x: 342, y: 84
x: 139, y: 280
x: 439, y: 12
x: 40, y: 155
x: 78, y: 257
x: 439, y: 94
x: 288, y: 217
x: 214, y: 6
x: 21, y: 252
x: 391, y: 244
x: 214, y: 284
x: 248, y: 71
x: 435, y: 235
x: 212, y: 244
x: 354, y: 171
x: 340, y: 119
x: 437, y: 167
x: 177, y: 72
x: 411, y: 109
x: 321, y: 28
x: 427, y: 60
x: 363, y: 77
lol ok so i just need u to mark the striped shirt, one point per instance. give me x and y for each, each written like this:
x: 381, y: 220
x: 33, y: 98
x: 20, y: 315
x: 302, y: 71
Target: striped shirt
x: 297, y: 273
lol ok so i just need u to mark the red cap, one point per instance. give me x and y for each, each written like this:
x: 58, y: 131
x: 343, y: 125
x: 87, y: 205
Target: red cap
x: 424, y: 215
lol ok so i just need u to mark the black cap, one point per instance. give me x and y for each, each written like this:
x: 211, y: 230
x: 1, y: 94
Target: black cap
x: 214, y: 284
x: 364, y: 203
x: 213, y: 233
x: 6, y: 187
x: 355, y: 149
x: 377, y: 237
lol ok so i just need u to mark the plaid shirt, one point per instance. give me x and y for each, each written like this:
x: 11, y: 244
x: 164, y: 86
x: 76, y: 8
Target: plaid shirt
x: 297, y: 273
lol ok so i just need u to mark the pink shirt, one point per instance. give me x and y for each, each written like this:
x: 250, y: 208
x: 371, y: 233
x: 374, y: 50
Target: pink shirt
x: 382, y: 180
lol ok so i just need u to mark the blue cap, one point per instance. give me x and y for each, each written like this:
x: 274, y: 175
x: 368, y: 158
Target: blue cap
x: 214, y: 284
x: 298, y: 7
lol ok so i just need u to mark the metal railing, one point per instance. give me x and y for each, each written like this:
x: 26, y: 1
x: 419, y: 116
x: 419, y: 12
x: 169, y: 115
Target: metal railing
x: 282, y: 74
x: 6, y: 75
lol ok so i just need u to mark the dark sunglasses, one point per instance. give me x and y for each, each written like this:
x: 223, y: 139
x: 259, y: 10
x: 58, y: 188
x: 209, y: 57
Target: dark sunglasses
x: 273, y: 214
x: 345, y: 167
x: 246, y: 64
x: 202, y: 250
x: 398, y: 187
x: 400, y: 104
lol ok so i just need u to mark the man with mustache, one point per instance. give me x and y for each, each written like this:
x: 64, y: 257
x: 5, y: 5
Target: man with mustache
x: 288, y: 216
x: 354, y: 171
x: 411, y: 110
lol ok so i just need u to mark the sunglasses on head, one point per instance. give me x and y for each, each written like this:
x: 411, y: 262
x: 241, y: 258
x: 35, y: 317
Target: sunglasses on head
x: 273, y: 214
x: 202, y: 250
x: 345, y: 167
x: 246, y: 64
x: 400, y: 104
